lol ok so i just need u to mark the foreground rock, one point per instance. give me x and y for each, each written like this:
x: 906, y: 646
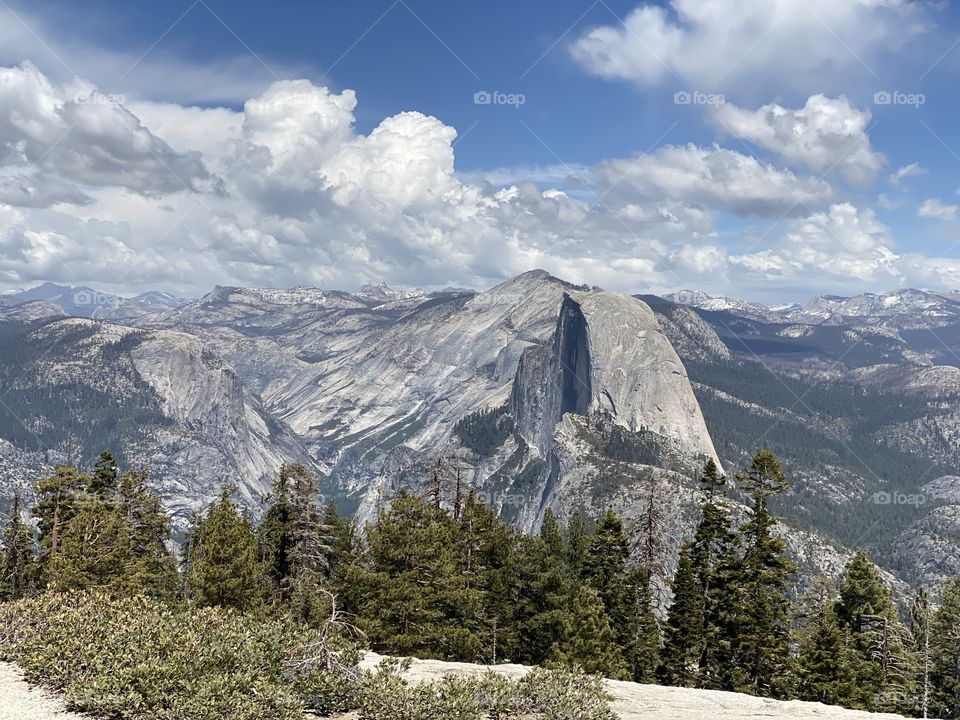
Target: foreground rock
x: 20, y: 701
x: 632, y: 701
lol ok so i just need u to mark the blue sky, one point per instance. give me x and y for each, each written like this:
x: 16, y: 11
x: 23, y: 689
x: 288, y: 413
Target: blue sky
x: 818, y: 153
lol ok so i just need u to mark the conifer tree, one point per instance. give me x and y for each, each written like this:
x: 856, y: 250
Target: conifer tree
x: 866, y: 609
x: 540, y: 598
x: 411, y: 599
x: 578, y: 543
x: 920, y: 616
x: 684, y: 627
x: 150, y: 566
x: 296, y: 545
x: 644, y: 656
x: 551, y: 534
x: 17, y: 553
x: 945, y: 653
x: 222, y: 564
x: 57, y: 498
x: 625, y: 594
x: 485, y: 543
x: 760, y: 652
x: 715, y: 561
x: 827, y: 666
x: 589, y: 641
x: 93, y: 549
x: 104, y: 481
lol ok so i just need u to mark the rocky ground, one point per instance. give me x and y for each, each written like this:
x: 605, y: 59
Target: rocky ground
x: 20, y: 701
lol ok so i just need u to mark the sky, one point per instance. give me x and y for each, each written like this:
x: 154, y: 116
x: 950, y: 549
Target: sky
x: 770, y: 150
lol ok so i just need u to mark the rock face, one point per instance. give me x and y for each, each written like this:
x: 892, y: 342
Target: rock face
x: 370, y: 388
x: 156, y: 398
x: 537, y: 393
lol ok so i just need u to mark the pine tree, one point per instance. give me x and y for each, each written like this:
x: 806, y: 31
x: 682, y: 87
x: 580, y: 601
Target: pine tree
x: 589, y: 641
x: 296, y: 545
x: 684, y: 627
x: 920, y: 630
x: 945, y: 653
x: 485, y: 544
x: 410, y: 597
x: 827, y: 665
x: 714, y: 559
x: 93, y: 549
x: 17, y: 553
x: 105, y: 477
x: 222, y: 564
x: 578, y: 543
x: 625, y: 594
x: 761, y: 648
x: 540, y: 597
x: 551, y: 534
x: 57, y: 498
x: 866, y: 609
x: 150, y: 565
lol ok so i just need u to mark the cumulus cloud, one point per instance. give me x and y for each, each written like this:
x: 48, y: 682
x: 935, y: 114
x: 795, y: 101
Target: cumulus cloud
x: 934, y: 209
x: 287, y: 191
x: 715, y: 177
x: 842, y: 241
x: 825, y: 133
x: 84, y: 136
x: 772, y: 43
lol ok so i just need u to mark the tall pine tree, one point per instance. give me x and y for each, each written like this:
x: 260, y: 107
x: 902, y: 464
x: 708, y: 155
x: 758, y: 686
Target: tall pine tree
x: 760, y: 650
x: 222, y: 565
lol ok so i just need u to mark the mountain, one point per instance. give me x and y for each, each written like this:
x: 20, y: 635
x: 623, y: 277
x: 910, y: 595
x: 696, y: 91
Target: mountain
x: 77, y: 301
x: 72, y: 387
x: 536, y: 393
x: 859, y: 396
x: 378, y: 385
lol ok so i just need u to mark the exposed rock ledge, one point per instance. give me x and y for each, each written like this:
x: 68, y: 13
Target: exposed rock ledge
x: 20, y: 701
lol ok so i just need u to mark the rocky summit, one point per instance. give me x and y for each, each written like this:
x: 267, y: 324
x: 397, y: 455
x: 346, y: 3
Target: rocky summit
x: 536, y: 394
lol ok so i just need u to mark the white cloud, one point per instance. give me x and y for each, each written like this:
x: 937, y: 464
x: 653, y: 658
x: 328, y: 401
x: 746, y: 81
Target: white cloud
x: 83, y: 136
x: 934, y: 209
x: 842, y: 242
x: 715, y: 177
x: 825, y: 133
x: 302, y: 197
x: 907, y: 171
x: 756, y: 44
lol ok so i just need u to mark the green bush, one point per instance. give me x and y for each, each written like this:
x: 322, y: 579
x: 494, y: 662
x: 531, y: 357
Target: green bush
x: 544, y: 694
x: 138, y: 658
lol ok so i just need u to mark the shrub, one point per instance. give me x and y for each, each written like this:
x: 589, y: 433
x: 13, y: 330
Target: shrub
x: 138, y: 658
x: 545, y: 694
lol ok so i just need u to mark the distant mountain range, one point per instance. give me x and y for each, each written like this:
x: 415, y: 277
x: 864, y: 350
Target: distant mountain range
x: 537, y: 393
